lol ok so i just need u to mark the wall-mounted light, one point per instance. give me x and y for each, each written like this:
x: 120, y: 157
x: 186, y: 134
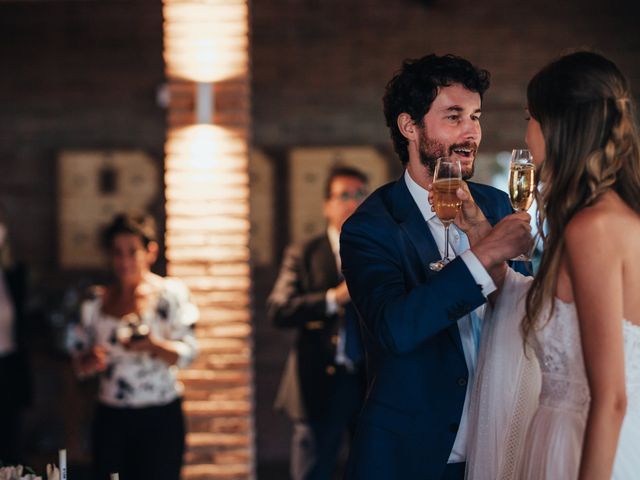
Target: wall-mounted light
x: 204, y: 102
x: 206, y: 52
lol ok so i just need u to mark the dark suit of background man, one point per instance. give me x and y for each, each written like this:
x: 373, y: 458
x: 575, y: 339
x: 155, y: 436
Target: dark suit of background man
x: 15, y: 381
x: 323, y: 383
x: 420, y: 327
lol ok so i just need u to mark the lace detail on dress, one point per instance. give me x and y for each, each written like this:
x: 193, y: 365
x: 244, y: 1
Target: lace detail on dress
x: 559, y: 351
x: 522, y: 413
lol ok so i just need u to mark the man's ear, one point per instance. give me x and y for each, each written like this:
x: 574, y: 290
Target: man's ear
x: 407, y: 126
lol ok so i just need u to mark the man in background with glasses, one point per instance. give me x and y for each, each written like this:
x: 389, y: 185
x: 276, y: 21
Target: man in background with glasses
x: 322, y: 387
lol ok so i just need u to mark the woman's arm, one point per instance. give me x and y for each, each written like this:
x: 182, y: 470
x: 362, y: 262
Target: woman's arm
x: 595, y: 270
x: 165, y: 350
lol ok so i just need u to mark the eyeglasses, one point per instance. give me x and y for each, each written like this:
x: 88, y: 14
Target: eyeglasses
x: 358, y: 195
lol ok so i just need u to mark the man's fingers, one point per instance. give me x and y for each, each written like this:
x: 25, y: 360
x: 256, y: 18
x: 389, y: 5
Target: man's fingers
x: 462, y: 194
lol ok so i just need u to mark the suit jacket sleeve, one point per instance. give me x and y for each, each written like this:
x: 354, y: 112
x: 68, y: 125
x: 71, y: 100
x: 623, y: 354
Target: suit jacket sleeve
x: 400, y: 314
x: 291, y: 304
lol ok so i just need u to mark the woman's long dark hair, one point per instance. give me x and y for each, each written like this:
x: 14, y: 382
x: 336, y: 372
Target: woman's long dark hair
x: 584, y: 106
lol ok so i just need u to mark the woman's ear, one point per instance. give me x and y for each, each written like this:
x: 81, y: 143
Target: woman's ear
x: 152, y: 252
x: 407, y: 127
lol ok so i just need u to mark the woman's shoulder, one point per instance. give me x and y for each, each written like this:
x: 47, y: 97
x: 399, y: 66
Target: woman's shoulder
x: 608, y: 211
x: 93, y: 295
x: 174, y: 288
x: 91, y: 301
x: 607, y: 222
x: 175, y: 301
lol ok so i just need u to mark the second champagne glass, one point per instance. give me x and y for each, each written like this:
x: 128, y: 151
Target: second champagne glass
x: 447, y: 178
x: 522, y: 184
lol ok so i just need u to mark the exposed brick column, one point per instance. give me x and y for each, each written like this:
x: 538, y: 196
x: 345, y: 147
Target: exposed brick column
x: 207, y: 195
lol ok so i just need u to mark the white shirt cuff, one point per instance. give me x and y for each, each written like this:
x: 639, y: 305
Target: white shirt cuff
x: 332, y: 304
x: 478, y: 272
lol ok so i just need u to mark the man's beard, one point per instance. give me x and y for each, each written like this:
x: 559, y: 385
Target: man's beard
x: 431, y: 150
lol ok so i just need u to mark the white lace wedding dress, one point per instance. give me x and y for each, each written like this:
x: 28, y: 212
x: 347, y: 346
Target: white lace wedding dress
x: 554, y: 440
x: 547, y: 391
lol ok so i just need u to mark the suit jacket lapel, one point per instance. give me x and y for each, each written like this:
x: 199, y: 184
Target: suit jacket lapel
x: 412, y: 222
x: 409, y: 218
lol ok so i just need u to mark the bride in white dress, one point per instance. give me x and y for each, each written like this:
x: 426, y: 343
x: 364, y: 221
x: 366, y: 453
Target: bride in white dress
x: 582, y: 310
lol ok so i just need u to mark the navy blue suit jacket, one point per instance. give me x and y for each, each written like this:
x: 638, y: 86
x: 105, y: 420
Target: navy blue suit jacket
x: 417, y: 374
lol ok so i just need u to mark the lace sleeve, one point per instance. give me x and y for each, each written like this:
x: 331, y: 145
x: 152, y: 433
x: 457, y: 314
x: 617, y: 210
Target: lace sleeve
x: 506, y: 389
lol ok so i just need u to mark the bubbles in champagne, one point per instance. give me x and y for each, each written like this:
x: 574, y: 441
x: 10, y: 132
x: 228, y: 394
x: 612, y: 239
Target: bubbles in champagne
x: 522, y: 185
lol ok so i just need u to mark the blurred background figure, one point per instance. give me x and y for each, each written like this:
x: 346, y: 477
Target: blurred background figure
x: 15, y: 380
x: 322, y: 386
x: 134, y: 334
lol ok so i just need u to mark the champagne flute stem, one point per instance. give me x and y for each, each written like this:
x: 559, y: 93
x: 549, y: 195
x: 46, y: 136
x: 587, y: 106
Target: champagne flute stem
x: 446, y: 242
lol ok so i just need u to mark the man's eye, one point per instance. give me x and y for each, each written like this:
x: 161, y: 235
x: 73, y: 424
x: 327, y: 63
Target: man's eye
x: 453, y: 117
x: 475, y: 118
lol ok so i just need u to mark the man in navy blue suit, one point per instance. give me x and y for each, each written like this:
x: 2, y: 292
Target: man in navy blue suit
x: 421, y: 328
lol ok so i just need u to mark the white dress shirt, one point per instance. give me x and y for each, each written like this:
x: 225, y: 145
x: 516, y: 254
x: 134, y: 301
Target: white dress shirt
x: 7, y: 318
x: 459, y: 243
x: 332, y: 304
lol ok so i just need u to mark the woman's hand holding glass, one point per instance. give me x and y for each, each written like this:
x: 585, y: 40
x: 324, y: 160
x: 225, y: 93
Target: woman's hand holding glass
x: 522, y: 185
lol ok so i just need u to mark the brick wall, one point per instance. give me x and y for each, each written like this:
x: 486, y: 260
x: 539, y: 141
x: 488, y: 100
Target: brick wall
x: 75, y: 75
x: 319, y: 67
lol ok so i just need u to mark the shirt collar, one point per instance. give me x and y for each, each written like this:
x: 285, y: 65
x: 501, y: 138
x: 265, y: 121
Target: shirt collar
x: 420, y: 196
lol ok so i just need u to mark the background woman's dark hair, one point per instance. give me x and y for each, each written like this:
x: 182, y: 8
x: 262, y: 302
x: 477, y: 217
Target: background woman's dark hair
x: 413, y: 89
x: 142, y: 225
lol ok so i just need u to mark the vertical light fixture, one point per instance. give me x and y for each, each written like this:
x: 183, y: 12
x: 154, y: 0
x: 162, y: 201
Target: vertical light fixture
x: 204, y: 102
x: 207, y: 193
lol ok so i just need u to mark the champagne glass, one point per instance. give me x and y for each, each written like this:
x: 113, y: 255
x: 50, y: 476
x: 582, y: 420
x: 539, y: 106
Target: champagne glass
x: 447, y: 178
x: 522, y: 185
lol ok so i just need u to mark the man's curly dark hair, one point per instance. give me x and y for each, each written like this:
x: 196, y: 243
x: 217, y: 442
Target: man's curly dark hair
x: 413, y: 89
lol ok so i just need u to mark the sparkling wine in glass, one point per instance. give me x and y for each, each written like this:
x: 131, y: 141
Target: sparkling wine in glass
x: 447, y: 178
x: 522, y: 184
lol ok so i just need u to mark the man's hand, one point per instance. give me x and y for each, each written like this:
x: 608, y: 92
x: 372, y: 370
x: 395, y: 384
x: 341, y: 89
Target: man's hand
x: 470, y: 218
x: 342, y: 294
x: 509, y: 238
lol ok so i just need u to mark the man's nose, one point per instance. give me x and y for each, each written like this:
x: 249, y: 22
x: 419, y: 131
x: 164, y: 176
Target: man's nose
x: 472, y: 130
